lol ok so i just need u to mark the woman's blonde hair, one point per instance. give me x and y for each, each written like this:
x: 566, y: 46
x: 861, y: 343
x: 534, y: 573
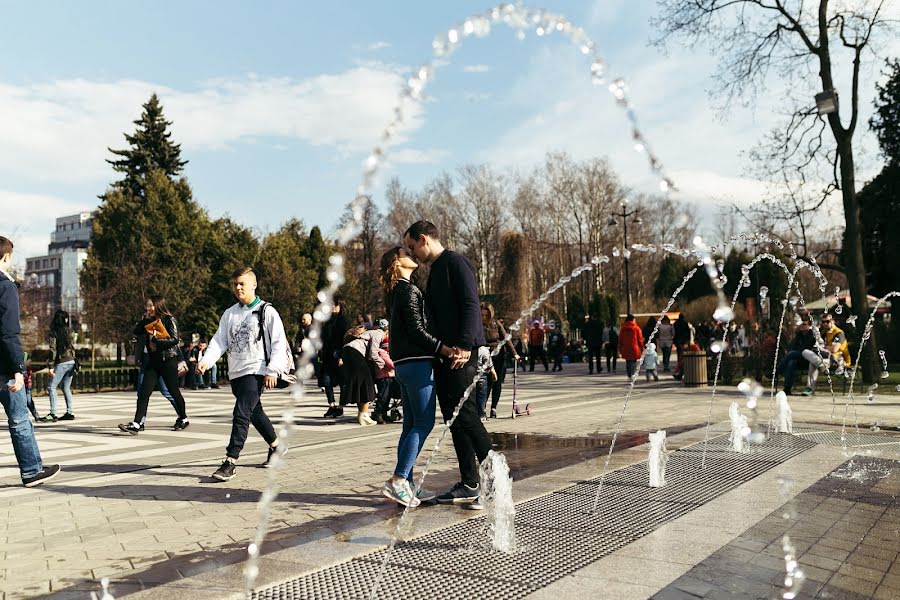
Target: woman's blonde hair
x: 490, y: 308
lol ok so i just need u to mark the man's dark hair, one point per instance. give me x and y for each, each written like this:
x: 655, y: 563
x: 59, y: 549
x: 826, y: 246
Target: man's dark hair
x: 6, y: 246
x: 629, y: 317
x: 420, y: 228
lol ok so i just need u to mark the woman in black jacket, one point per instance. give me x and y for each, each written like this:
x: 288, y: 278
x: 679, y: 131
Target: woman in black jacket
x: 163, y: 362
x: 412, y: 349
x: 61, y: 365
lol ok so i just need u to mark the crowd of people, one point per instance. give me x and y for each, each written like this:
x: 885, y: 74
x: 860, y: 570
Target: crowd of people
x: 423, y: 356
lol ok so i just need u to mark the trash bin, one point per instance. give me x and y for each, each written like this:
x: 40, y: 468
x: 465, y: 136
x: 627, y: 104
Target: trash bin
x: 694, y: 368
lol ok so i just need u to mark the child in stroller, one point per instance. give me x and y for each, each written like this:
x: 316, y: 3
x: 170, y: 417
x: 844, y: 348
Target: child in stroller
x: 387, y: 397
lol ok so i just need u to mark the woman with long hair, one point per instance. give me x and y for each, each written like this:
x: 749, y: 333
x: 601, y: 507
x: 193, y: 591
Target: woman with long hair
x: 162, y: 341
x: 61, y: 365
x: 494, y: 333
x: 332, y: 342
x: 413, y: 350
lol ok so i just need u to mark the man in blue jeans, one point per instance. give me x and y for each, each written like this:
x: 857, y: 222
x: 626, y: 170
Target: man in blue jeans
x: 12, y: 379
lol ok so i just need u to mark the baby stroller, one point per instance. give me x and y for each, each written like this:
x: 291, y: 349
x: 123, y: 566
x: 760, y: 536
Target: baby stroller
x: 389, y: 405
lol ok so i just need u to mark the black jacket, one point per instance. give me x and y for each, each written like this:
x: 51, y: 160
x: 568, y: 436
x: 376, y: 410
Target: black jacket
x: 167, y: 348
x: 451, y: 302
x: 61, y: 347
x: 409, y: 337
x: 593, y: 333
x: 12, y: 358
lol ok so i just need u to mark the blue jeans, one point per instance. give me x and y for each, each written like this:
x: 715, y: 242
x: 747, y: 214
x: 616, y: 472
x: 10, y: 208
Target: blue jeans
x: 788, y: 366
x: 213, y: 372
x: 162, y: 389
x: 20, y: 429
x: 62, y: 373
x: 481, y: 394
x: 417, y: 390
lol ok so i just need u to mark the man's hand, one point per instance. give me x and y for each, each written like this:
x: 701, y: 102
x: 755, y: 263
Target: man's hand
x: 50, y: 371
x: 18, y: 383
x: 270, y: 382
x: 201, y: 368
x: 460, y: 358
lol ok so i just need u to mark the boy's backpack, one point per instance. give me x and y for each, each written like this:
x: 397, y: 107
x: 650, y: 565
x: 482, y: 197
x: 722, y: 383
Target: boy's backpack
x: 288, y: 378
x: 613, y: 337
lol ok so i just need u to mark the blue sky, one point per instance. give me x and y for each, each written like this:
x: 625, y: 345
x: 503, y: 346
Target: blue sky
x: 276, y: 104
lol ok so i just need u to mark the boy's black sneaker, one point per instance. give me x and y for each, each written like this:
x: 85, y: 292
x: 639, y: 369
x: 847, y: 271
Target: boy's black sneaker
x: 129, y: 428
x: 460, y: 494
x: 44, y: 476
x: 272, y: 451
x: 51, y: 418
x: 181, y: 424
x: 226, y: 471
x: 67, y: 417
x: 330, y: 412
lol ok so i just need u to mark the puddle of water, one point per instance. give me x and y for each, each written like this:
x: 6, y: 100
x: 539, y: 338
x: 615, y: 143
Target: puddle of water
x: 530, y: 454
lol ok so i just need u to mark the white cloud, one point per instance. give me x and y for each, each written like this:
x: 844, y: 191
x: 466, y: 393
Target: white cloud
x: 476, y: 68
x: 379, y: 45
x: 29, y: 219
x: 59, y: 131
x: 415, y: 156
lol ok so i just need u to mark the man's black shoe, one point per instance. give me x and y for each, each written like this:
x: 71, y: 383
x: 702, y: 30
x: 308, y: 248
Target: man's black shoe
x: 215, y: 386
x: 46, y: 474
x: 67, y: 417
x: 459, y: 494
x: 226, y: 471
x: 272, y: 452
x: 129, y: 428
x: 181, y: 424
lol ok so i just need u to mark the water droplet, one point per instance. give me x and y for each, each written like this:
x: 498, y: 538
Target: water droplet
x: 228, y: 495
x: 626, y: 253
x: 885, y: 374
x: 793, y: 301
x: 838, y: 309
x: 723, y: 314
x: 851, y: 320
x: 763, y: 292
x: 598, y: 70
x: 716, y: 347
x: 870, y: 396
x: 615, y: 251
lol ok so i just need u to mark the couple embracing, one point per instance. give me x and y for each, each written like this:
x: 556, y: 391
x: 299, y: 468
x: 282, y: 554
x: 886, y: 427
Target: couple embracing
x: 435, y: 359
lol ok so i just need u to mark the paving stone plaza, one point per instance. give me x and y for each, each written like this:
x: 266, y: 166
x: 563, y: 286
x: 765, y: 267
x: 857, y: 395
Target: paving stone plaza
x: 144, y: 512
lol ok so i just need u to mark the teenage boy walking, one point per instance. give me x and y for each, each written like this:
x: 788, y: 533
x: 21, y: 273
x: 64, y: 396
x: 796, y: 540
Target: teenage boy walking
x: 453, y: 308
x: 12, y: 379
x: 256, y: 357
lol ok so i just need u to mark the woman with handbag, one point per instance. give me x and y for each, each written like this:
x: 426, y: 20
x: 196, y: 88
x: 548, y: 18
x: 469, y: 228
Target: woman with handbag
x: 360, y: 349
x: 61, y: 365
x: 164, y: 361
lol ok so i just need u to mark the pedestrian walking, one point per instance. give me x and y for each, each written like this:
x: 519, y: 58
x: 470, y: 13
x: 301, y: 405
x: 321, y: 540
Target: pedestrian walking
x: 333, y: 331
x: 414, y: 351
x: 164, y: 359
x: 681, y: 335
x: 252, y: 334
x: 142, y: 357
x: 651, y: 360
x: 12, y: 379
x: 611, y: 346
x: 593, y: 341
x: 631, y: 344
x: 556, y: 346
x: 536, y: 346
x: 494, y: 333
x: 666, y: 337
x: 61, y: 365
x: 451, y: 300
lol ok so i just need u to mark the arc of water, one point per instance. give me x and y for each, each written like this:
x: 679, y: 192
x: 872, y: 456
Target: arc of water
x: 520, y: 18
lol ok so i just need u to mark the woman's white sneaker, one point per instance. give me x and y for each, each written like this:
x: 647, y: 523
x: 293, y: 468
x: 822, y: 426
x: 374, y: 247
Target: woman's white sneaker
x: 400, y: 493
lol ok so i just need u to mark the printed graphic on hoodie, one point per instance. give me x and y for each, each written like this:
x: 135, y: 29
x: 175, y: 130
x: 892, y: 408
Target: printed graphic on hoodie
x: 242, y: 338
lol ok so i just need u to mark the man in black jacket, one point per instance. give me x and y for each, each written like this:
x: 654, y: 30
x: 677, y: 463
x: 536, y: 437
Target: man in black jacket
x: 593, y: 341
x: 454, y: 313
x: 12, y: 379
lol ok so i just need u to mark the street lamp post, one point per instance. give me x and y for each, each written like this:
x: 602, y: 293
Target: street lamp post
x: 625, y: 252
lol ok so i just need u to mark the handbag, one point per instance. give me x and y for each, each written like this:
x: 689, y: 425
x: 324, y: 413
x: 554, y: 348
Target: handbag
x: 156, y: 328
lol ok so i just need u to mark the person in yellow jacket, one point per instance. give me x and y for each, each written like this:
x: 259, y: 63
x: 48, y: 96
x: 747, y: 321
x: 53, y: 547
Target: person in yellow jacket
x: 835, y: 355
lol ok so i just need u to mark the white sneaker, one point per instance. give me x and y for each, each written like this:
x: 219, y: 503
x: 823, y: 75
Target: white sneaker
x: 400, y: 493
x: 365, y: 419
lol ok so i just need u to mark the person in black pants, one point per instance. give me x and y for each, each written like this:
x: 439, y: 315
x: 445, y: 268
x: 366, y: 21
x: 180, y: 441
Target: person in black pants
x: 162, y: 341
x: 451, y: 302
x: 593, y: 341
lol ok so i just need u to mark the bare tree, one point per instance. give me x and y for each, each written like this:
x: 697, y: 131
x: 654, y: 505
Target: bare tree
x: 803, y: 42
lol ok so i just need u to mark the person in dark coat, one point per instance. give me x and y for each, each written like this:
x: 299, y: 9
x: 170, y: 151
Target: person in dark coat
x: 593, y: 341
x: 332, y: 342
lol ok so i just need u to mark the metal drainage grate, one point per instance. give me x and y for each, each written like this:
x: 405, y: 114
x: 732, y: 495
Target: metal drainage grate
x: 557, y: 533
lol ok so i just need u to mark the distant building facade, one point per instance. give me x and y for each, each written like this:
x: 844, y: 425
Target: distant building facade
x: 57, y: 273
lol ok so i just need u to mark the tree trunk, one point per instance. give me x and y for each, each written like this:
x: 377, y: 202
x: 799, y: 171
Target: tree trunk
x: 855, y: 268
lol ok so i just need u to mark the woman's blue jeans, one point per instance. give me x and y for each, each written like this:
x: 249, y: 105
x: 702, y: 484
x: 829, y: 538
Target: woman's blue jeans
x: 417, y: 390
x: 62, y: 373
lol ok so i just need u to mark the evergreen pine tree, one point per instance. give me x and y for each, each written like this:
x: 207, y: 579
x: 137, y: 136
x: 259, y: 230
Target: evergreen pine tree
x: 151, y: 149
x: 316, y: 253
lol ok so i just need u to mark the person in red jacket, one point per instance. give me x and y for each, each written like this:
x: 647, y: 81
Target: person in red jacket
x: 631, y: 344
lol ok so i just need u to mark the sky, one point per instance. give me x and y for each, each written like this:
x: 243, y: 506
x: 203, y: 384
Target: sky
x: 277, y: 104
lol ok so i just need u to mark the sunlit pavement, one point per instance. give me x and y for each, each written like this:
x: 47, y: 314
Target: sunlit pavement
x: 144, y: 512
